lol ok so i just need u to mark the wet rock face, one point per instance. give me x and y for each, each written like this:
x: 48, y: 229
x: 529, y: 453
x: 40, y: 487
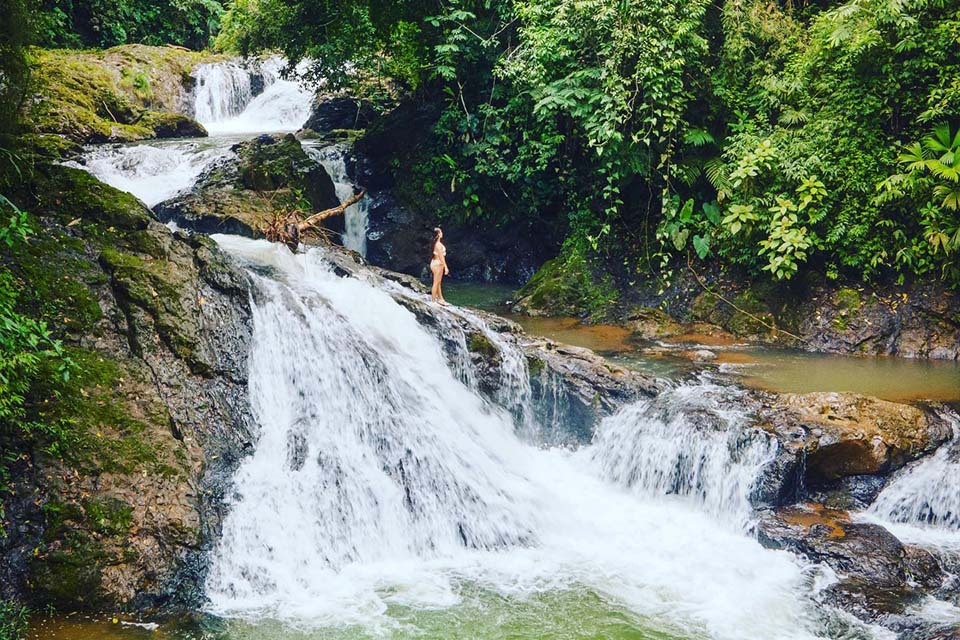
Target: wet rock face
x: 571, y: 389
x: 159, y: 325
x: 879, y: 578
x: 915, y: 321
x: 242, y: 193
x: 337, y: 112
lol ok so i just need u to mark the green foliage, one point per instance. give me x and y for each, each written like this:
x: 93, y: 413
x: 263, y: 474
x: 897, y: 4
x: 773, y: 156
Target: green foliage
x: 13, y: 620
x: 607, y: 117
x: 30, y: 356
x: 15, y: 33
x: 106, y: 23
x: 28, y: 350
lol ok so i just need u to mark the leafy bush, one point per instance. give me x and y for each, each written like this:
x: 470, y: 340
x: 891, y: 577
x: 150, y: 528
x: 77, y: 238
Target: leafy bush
x: 13, y: 620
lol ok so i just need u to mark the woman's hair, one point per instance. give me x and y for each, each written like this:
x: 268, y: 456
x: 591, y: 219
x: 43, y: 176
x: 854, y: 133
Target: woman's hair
x: 433, y: 243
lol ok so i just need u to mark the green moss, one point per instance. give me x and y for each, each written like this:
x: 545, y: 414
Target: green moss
x: 74, y: 196
x: 744, y: 324
x: 480, y: 344
x: 69, y: 577
x: 108, y: 515
x: 535, y: 365
x: 14, y: 620
x: 96, y: 96
x: 847, y: 302
x: 566, y: 285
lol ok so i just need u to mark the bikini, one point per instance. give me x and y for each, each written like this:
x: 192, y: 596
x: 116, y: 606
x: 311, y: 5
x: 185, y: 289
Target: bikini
x: 439, y: 251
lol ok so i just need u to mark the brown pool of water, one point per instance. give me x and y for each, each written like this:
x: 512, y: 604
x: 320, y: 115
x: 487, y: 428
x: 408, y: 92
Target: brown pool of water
x: 886, y: 377
x: 602, y: 338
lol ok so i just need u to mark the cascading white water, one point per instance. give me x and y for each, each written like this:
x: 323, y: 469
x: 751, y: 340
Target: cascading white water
x: 927, y: 492
x: 688, y: 441
x: 356, y: 217
x: 379, y: 479
x: 153, y: 172
x: 222, y: 90
x: 224, y: 102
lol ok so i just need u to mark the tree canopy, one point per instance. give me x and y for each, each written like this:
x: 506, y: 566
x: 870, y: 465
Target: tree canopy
x: 774, y: 135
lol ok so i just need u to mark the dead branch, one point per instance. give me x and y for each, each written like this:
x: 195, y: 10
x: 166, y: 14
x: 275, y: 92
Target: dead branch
x: 286, y: 226
x: 320, y: 216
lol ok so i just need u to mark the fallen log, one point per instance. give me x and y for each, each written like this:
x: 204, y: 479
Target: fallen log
x: 320, y: 216
x: 288, y: 228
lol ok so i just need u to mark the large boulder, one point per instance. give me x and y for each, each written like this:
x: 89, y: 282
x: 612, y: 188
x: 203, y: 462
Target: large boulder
x: 119, y: 492
x: 242, y: 193
x: 330, y: 113
x: 879, y: 579
x: 841, y: 435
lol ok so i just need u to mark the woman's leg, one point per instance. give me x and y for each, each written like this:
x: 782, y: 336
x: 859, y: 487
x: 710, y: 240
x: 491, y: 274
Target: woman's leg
x: 435, y: 290
x: 440, y: 285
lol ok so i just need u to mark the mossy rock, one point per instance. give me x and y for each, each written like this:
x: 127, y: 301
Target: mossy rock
x: 481, y: 345
x: 100, y: 96
x: 567, y: 286
x: 172, y: 125
x: 270, y: 175
x: 847, y: 302
x: 746, y: 318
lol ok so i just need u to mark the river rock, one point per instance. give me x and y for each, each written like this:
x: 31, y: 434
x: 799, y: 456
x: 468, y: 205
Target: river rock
x: 846, y: 434
x: 240, y: 194
x: 879, y: 578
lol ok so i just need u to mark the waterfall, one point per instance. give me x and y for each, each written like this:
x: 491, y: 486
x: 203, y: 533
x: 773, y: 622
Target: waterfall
x: 689, y: 441
x: 221, y: 90
x: 381, y: 482
x: 224, y: 100
x: 926, y: 492
x: 356, y: 219
x: 153, y: 172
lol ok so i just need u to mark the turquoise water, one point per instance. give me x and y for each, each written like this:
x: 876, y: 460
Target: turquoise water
x: 575, y: 614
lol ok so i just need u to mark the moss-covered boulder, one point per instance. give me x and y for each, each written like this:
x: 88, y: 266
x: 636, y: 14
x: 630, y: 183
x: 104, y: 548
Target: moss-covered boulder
x: 264, y: 177
x: 131, y: 92
x: 567, y: 286
x: 116, y: 475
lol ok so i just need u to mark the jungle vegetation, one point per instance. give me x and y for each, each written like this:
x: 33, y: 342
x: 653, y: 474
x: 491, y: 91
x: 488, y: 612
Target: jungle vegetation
x: 777, y: 136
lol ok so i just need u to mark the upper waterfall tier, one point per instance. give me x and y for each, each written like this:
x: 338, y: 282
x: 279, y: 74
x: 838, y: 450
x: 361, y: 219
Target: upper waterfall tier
x: 249, y: 97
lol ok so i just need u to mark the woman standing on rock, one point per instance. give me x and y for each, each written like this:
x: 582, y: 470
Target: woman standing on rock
x: 438, y: 265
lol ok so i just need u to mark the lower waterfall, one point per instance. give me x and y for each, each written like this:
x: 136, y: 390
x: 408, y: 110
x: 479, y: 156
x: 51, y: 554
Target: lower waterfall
x: 927, y: 492
x: 381, y: 481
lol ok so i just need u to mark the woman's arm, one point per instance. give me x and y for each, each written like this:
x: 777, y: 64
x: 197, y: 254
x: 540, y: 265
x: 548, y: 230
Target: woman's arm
x: 443, y: 260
